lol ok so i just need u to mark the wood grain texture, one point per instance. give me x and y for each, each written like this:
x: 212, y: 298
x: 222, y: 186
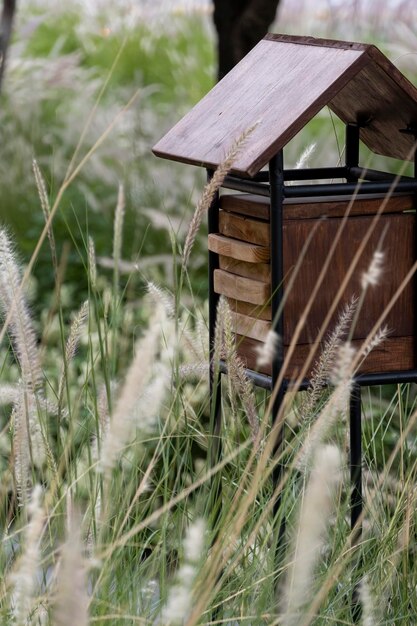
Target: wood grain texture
x: 258, y: 206
x: 246, y: 204
x: 250, y: 326
x: 239, y: 250
x: 245, y: 308
x: 237, y: 287
x: 244, y: 228
x: 395, y: 354
x: 376, y: 93
x: 398, y: 246
x: 257, y: 271
x: 280, y: 85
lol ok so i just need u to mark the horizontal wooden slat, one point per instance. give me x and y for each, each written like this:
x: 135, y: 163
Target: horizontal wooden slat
x: 395, y: 354
x: 251, y: 205
x: 244, y: 228
x: 245, y: 308
x: 257, y: 271
x: 250, y: 326
x: 234, y: 286
x: 246, y: 204
x: 239, y: 250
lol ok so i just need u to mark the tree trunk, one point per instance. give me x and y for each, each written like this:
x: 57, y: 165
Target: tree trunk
x: 240, y: 24
x: 6, y: 23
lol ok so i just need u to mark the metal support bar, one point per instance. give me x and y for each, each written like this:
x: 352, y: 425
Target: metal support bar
x: 375, y: 175
x: 316, y: 173
x: 352, y: 149
x: 355, y: 461
x: 404, y: 184
x: 303, y: 191
x: 356, y: 501
x: 215, y: 449
x: 276, y: 178
x: 240, y: 184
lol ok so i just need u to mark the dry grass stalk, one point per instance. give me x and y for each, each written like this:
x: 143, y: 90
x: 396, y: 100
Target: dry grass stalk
x: 367, y: 602
x: 239, y: 386
x: 336, y: 406
x: 180, y: 596
x: 305, y: 156
x: 371, y: 277
x: 210, y: 190
x: 376, y: 340
x: 267, y: 351
x: 8, y: 394
x: 322, y: 368
x: 71, y: 346
x: 71, y: 601
x: 28, y: 444
x: 218, y: 341
x: 122, y: 422
x: 194, y: 370
x: 161, y: 295
x: 92, y: 264
x: 24, y: 578
x: 46, y: 208
x: 314, y: 514
x: 119, y: 216
x: 21, y: 326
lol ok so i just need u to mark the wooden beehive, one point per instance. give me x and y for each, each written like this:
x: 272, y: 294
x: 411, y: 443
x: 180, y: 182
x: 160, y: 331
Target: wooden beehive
x: 244, y: 274
x: 277, y: 89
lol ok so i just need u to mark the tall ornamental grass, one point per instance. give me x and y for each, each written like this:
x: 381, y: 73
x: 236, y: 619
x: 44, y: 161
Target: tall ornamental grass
x: 112, y: 509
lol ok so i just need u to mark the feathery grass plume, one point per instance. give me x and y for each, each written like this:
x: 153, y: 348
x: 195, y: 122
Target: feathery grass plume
x: 8, y: 394
x: 368, y: 610
x: 28, y: 443
x: 267, y: 351
x: 46, y: 209
x: 194, y: 370
x: 238, y: 384
x: 122, y: 423
x: 335, y: 407
x: 180, y: 596
x: 316, y: 508
x: 24, y: 578
x: 21, y: 454
x: 210, y: 190
x: 161, y: 295
x: 376, y: 340
x: 305, y: 156
x: 150, y: 403
x: 71, y: 600
x: 218, y: 341
x: 373, y: 273
x: 322, y: 368
x: 92, y: 263
x: 71, y: 346
x: 119, y: 216
x: 21, y: 327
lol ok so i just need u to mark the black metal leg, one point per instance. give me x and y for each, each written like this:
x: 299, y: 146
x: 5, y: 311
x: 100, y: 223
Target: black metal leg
x: 356, y: 461
x: 276, y: 182
x: 215, y: 449
x: 356, y: 501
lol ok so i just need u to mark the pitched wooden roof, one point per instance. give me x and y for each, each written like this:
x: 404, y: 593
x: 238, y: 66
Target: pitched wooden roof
x: 283, y: 83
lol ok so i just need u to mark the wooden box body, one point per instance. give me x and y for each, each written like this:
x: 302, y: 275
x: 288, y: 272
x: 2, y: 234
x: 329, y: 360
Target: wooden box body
x: 244, y: 274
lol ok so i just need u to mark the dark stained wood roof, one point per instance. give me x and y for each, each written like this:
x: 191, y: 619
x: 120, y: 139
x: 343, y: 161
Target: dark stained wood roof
x: 283, y: 83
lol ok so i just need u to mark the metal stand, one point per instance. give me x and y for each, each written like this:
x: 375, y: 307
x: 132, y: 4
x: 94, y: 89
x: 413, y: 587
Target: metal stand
x: 271, y: 184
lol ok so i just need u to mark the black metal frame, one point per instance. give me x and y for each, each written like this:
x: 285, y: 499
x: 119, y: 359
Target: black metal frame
x: 271, y: 184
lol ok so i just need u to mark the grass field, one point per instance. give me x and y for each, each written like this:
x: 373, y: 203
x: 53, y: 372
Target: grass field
x: 108, y: 506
